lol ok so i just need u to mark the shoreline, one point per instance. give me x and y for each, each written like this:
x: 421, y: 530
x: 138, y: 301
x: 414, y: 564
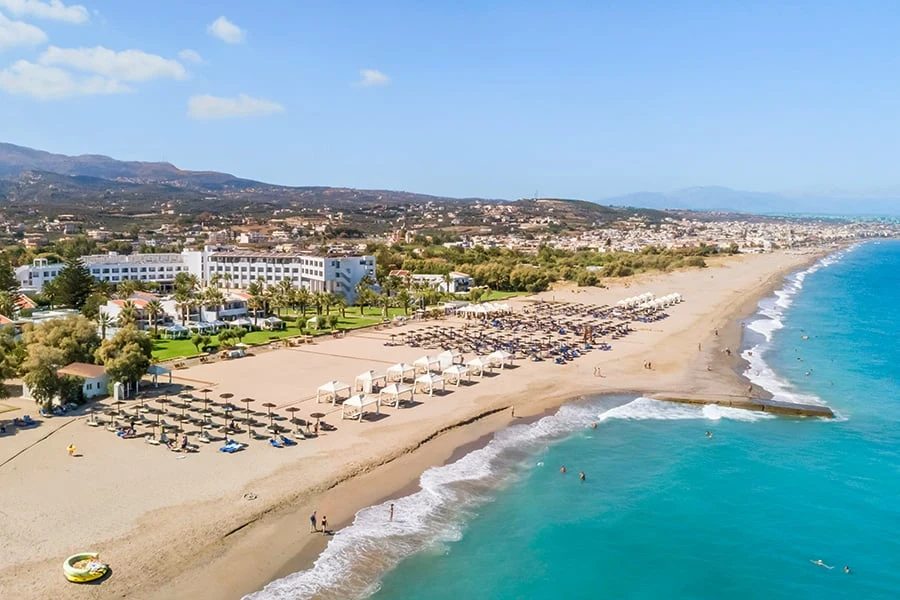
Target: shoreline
x: 273, y: 528
x: 400, y: 477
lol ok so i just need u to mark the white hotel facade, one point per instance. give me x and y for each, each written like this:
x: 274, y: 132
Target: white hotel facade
x: 336, y: 274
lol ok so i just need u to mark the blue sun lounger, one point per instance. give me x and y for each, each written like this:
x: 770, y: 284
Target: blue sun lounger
x: 275, y: 443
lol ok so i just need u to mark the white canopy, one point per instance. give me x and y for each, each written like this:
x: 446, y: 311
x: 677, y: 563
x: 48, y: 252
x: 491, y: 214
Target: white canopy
x: 450, y: 357
x: 393, y: 392
x: 367, y: 381
x: 426, y: 362
x: 355, y: 406
x: 330, y: 391
x: 477, y: 366
x: 456, y: 373
x: 429, y: 381
x: 399, y: 371
x: 500, y: 358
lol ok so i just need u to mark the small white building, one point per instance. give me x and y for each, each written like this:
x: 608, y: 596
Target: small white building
x: 95, y: 381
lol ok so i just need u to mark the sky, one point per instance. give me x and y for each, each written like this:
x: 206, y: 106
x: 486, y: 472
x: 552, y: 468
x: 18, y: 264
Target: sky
x: 467, y: 98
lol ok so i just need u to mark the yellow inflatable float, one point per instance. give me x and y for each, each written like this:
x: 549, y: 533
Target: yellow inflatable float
x: 80, y: 568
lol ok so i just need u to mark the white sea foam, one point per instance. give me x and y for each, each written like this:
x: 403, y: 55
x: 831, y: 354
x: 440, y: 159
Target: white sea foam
x: 647, y: 408
x: 769, y: 319
x: 359, y: 554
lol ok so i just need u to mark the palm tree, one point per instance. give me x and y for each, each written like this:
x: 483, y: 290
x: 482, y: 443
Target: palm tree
x: 319, y: 300
x: 215, y: 279
x: 227, y: 278
x: 403, y: 299
x: 213, y: 296
x: 340, y: 303
x: 182, y: 300
x: 256, y: 300
x: 128, y: 315
x: 303, y: 298
x: 104, y: 321
x: 385, y: 302
x: 154, y: 310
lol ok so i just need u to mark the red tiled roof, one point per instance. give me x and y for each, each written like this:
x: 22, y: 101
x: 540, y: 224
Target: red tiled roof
x: 5, y: 320
x: 84, y: 370
x: 23, y: 302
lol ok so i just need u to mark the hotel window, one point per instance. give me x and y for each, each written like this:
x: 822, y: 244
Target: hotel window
x: 115, y: 270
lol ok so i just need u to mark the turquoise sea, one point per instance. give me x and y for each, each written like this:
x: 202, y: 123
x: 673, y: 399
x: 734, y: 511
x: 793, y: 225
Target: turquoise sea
x: 666, y: 512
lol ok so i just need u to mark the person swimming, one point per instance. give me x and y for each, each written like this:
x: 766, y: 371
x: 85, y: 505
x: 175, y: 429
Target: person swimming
x: 562, y: 469
x: 847, y: 569
x: 820, y: 563
x: 581, y: 475
x: 709, y: 434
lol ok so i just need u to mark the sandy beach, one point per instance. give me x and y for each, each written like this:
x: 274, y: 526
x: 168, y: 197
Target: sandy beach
x: 210, y: 525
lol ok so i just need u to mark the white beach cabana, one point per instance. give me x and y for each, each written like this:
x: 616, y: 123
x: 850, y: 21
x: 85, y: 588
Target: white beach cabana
x: 455, y: 374
x: 450, y: 357
x: 330, y: 391
x: 500, y: 358
x: 390, y: 394
x: 273, y: 323
x: 427, y: 364
x: 355, y: 406
x: 430, y: 381
x: 176, y: 332
x: 243, y: 322
x: 368, y: 382
x: 400, y: 371
x: 478, y: 365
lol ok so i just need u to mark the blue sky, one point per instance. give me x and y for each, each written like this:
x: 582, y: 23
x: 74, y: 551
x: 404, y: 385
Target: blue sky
x: 492, y: 99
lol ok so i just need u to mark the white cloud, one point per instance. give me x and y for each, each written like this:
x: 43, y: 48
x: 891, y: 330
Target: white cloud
x: 40, y: 81
x: 372, y: 78
x: 191, y: 56
x: 127, y: 65
x: 19, y: 33
x: 49, y: 9
x: 213, y: 107
x: 225, y: 30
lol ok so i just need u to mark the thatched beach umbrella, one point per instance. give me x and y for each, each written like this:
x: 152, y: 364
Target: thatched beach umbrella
x: 269, y: 406
x: 247, y: 401
x: 317, y: 416
x: 294, y: 410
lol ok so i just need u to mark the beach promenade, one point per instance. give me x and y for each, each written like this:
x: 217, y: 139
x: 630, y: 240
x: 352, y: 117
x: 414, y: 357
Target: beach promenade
x: 209, y: 524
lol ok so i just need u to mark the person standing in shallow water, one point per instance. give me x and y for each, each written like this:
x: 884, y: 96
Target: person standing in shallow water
x: 391, y: 516
x: 312, y: 522
x: 324, y: 525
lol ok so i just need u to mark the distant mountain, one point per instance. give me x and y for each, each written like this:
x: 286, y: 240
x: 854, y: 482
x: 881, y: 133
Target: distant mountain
x: 716, y: 198
x: 17, y: 160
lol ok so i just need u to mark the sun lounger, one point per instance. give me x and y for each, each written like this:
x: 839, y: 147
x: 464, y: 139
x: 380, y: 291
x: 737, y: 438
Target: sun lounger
x: 287, y: 441
x: 231, y: 447
x: 275, y: 443
x: 152, y: 440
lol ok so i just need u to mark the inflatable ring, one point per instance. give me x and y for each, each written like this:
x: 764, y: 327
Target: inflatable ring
x: 92, y: 569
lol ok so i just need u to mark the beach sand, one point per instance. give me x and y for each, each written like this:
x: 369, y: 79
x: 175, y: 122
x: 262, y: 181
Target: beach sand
x: 181, y: 526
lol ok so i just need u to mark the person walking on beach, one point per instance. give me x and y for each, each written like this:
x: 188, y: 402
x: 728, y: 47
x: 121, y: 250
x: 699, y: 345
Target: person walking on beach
x: 312, y: 522
x: 391, y: 516
x: 324, y: 525
x: 512, y: 412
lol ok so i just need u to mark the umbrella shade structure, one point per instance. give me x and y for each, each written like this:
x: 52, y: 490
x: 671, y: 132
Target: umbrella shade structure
x: 294, y: 410
x: 330, y: 391
x: 500, y: 358
x: 355, y: 406
x: 248, y: 402
x: 478, y: 365
x: 430, y: 381
x: 269, y: 406
x: 400, y: 371
x: 456, y: 373
x: 368, y: 382
x: 450, y: 357
x: 390, y: 394
x: 426, y: 364
x: 317, y: 416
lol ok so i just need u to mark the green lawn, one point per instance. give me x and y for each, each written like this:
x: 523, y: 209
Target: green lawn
x: 495, y: 295
x: 168, y: 349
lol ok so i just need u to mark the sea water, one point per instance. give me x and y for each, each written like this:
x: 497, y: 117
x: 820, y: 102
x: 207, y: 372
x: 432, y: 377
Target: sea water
x: 665, y: 511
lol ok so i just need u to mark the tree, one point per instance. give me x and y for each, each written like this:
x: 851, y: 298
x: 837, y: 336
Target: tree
x: 11, y: 356
x: 128, y: 315
x: 126, y: 356
x: 125, y: 289
x: 182, y: 302
x: 257, y: 299
x: 303, y: 298
x: 340, y: 303
x: 72, y: 285
x: 403, y: 299
x: 104, y: 321
x: 197, y: 341
x: 7, y: 304
x: 8, y: 281
x: 93, y: 303
x: 333, y: 321
x: 215, y: 298
x: 51, y: 346
x: 475, y: 294
x: 154, y: 311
